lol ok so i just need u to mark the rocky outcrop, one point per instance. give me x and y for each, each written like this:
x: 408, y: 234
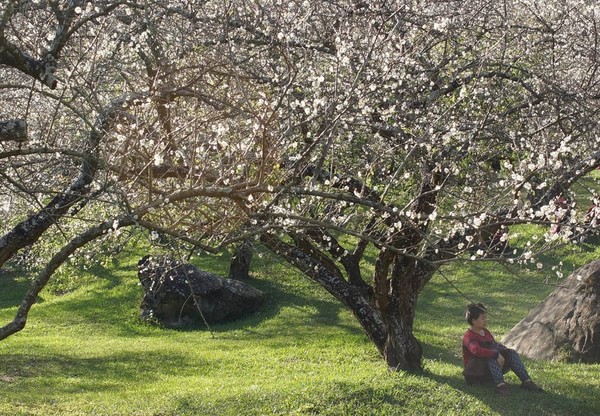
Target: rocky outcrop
x: 178, y: 294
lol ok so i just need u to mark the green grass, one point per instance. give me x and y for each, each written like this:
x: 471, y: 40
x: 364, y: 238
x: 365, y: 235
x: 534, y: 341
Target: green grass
x: 85, y: 352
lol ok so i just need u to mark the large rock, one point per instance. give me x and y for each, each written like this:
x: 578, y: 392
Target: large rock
x: 567, y: 324
x: 179, y: 294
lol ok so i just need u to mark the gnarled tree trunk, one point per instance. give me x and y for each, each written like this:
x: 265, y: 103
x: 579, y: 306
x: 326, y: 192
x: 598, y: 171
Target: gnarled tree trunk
x: 388, y: 324
x: 20, y: 319
x: 239, y: 267
x: 566, y: 325
x: 402, y: 351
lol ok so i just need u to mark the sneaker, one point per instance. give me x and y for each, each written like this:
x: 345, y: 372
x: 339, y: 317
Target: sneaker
x: 502, y: 389
x: 531, y: 386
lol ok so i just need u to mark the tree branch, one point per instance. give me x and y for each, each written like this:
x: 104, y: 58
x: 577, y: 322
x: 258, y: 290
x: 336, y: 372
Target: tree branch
x: 20, y: 319
x: 349, y: 295
x: 13, y: 130
x: 40, y: 69
x: 29, y: 231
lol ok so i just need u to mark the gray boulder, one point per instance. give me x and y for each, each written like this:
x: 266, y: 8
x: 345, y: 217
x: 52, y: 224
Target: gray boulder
x: 178, y: 294
x: 566, y: 325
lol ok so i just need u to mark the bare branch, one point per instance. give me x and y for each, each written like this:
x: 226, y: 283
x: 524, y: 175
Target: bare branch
x: 40, y: 69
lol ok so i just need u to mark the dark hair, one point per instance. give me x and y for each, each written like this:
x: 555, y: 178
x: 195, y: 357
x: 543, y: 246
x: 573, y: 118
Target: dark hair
x: 473, y: 311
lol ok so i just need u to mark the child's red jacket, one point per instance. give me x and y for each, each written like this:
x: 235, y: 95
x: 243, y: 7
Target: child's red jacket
x: 475, y: 345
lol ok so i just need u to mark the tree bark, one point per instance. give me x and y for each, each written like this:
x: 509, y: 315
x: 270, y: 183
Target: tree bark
x: 29, y: 231
x: 40, y: 69
x: 352, y: 297
x: 239, y: 267
x: 391, y: 331
x: 401, y: 350
x: 13, y: 130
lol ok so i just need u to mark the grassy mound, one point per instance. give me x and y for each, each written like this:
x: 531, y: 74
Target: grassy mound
x: 84, y: 352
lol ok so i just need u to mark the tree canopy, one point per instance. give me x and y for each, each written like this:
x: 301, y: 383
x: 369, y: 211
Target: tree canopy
x: 421, y: 131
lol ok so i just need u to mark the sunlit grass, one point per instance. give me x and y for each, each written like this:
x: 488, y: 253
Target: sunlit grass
x: 85, y: 352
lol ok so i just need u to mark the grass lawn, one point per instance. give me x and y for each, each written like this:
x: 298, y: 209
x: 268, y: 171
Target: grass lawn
x: 84, y: 352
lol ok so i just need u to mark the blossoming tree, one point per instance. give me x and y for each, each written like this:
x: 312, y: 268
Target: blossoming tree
x: 417, y: 131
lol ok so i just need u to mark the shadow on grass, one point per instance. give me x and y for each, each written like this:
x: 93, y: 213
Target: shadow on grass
x: 309, y: 313
x: 508, y: 297
x: 12, y: 288
x: 521, y: 402
x: 104, y: 373
x: 329, y: 398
